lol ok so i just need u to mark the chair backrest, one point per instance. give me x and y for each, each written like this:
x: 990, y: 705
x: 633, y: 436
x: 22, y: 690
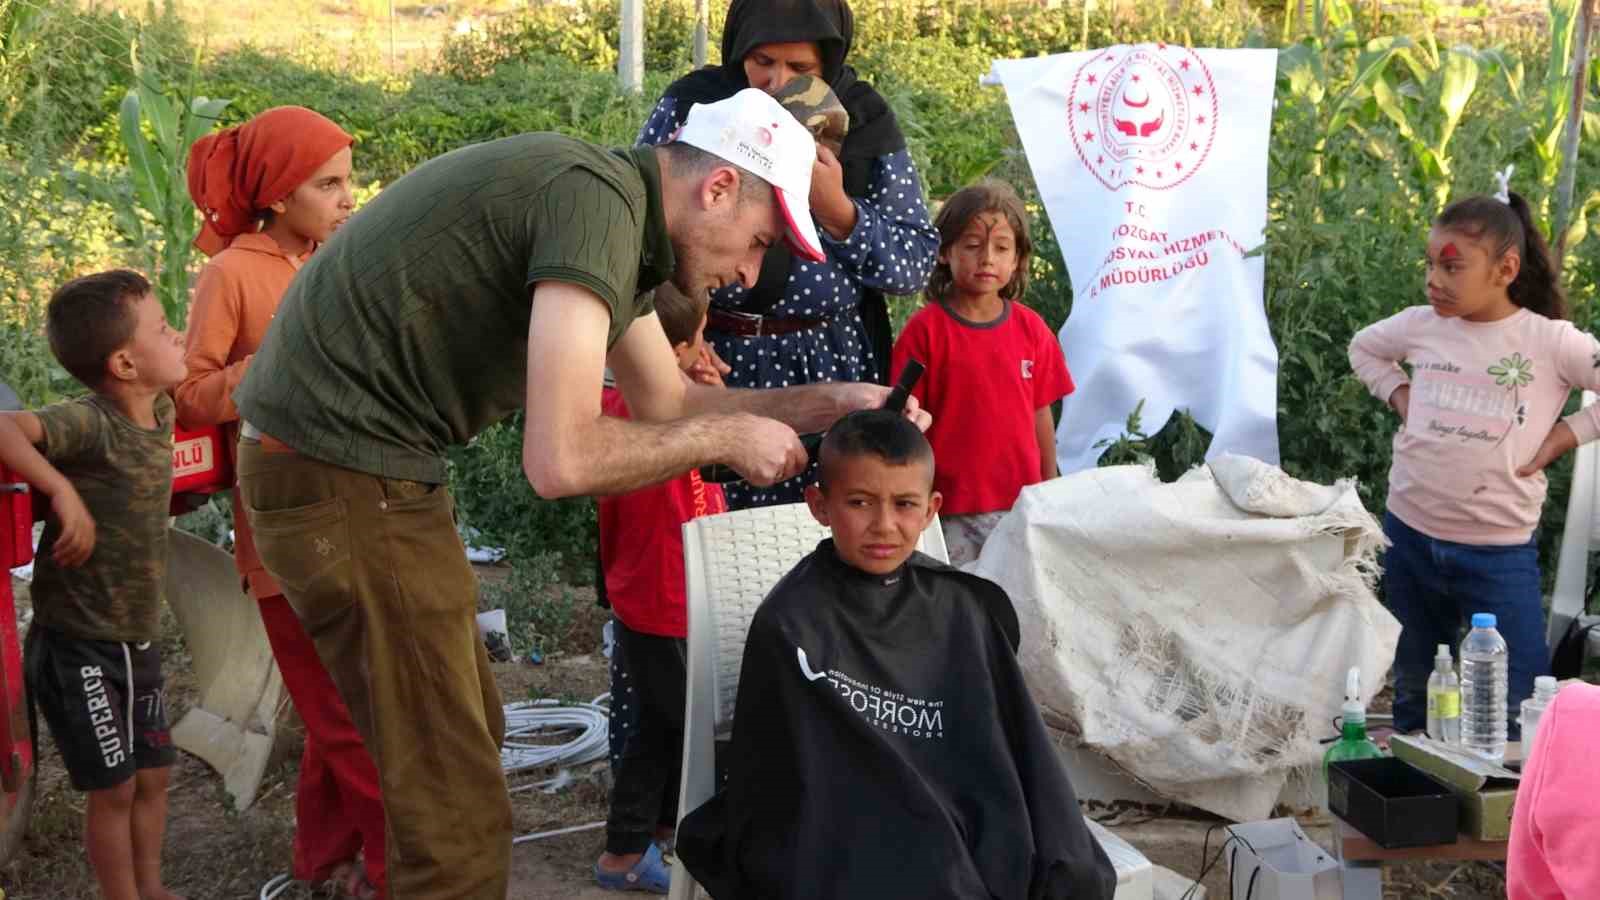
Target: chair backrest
x: 731, y: 561
x: 1571, y: 592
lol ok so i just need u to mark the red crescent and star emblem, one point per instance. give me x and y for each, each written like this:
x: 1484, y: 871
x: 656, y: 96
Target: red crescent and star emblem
x: 1143, y: 115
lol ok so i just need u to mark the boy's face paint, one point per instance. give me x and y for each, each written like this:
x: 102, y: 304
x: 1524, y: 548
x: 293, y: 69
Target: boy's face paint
x: 876, y: 510
x: 1465, y: 279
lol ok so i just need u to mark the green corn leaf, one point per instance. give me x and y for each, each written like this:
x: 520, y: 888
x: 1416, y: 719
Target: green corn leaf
x: 1369, y: 68
x: 204, y: 114
x: 145, y: 165
x: 1390, y: 104
x: 1460, y: 79
x: 1300, y: 67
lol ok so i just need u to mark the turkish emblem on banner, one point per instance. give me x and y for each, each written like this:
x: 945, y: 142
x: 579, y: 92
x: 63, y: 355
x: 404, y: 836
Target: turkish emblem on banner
x: 1143, y: 115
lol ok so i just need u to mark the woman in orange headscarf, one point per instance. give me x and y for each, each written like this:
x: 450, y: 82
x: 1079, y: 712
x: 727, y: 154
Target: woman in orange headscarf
x: 270, y: 191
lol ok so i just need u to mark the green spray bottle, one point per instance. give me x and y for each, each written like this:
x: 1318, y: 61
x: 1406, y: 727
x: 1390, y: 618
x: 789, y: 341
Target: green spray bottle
x: 1353, y: 742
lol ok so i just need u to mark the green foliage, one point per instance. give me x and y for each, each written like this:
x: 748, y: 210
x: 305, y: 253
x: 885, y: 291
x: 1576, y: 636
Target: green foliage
x: 157, y: 127
x: 63, y: 69
x: 493, y: 496
x: 542, y: 611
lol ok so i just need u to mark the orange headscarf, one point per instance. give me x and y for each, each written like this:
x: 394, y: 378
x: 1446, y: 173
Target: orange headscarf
x: 237, y: 172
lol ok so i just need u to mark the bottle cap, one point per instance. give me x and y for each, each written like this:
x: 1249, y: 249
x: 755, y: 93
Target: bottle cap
x: 1544, y: 684
x: 1484, y: 620
x: 1443, y: 652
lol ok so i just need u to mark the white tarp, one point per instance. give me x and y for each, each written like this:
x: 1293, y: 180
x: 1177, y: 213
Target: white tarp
x: 1152, y: 164
x: 1197, y: 633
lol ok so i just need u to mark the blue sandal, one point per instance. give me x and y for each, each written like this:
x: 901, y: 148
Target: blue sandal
x: 649, y: 874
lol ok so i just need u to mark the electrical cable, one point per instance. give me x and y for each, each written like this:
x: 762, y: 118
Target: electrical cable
x: 529, y: 722
x: 276, y: 886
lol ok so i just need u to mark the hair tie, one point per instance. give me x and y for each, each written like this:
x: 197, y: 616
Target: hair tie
x: 1504, y: 195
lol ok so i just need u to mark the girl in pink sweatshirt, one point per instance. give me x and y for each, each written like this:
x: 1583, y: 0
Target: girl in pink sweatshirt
x: 1492, y: 361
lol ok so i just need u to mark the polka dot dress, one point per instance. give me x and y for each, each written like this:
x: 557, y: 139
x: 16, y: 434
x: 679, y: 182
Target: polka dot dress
x: 892, y: 249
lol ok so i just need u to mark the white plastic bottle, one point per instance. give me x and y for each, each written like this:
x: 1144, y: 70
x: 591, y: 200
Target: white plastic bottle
x: 1483, y: 688
x: 1544, y: 690
x: 1444, y: 699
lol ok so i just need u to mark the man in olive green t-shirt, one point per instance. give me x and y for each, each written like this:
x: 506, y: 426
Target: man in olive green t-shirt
x: 502, y: 276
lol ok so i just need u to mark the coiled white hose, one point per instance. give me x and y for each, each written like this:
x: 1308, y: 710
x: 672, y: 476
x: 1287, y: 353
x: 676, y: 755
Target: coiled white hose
x: 526, y: 721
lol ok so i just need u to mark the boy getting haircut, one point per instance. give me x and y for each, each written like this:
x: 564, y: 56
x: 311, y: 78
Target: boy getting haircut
x: 884, y: 743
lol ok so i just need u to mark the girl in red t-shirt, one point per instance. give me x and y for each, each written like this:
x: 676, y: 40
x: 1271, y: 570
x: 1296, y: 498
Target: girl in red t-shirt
x: 994, y: 367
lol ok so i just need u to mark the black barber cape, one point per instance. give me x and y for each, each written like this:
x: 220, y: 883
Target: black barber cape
x: 885, y: 746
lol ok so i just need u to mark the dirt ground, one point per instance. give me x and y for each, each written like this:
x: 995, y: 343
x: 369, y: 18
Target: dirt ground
x: 215, y: 851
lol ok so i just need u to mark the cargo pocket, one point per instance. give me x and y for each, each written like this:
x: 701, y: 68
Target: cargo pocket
x: 307, y: 549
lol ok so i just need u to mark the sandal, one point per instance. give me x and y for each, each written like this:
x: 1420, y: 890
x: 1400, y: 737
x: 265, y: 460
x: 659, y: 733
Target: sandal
x: 649, y: 874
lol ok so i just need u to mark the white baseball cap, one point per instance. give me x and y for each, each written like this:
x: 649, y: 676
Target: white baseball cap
x: 754, y: 131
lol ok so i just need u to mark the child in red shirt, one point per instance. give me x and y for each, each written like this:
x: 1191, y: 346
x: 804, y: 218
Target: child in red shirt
x: 994, y: 367
x: 641, y: 556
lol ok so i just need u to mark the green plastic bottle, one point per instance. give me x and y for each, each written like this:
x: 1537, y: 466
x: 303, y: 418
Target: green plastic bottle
x: 1353, y: 742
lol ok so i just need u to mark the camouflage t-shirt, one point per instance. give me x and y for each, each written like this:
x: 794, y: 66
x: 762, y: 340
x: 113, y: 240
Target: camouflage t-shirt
x: 124, y: 475
x: 408, y: 331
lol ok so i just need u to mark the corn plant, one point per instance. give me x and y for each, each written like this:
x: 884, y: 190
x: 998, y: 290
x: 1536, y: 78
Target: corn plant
x: 157, y: 130
x: 1426, y: 107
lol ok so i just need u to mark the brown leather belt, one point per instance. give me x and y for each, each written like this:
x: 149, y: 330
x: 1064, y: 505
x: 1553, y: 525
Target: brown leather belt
x: 747, y: 325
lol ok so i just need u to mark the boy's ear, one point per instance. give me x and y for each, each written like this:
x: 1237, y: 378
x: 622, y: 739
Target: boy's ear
x: 819, y: 509
x: 935, y: 500
x: 120, y: 366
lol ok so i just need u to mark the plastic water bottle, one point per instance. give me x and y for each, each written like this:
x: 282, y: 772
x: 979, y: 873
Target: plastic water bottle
x: 1544, y: 690
x: 1483, y: 689
x: 1444, y: 699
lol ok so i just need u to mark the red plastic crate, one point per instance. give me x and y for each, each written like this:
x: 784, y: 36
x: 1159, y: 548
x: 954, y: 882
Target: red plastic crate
x: 16, y: 522
x: 199, y: 462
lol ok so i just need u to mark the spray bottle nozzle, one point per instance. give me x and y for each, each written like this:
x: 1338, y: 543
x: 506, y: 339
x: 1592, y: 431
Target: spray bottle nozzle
x: 1354, y: 710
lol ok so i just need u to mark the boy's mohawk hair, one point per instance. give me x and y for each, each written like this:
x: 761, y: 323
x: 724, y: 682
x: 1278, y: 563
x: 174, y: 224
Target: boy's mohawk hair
x: 90, y: 318
x: 886, y: 434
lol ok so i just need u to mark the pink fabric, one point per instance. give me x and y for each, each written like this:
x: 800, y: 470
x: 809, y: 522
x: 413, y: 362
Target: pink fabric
x: 1483, y: 398
x: 1554, y: 826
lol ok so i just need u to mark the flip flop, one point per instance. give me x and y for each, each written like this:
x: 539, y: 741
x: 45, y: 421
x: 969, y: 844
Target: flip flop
x: 650, y: 874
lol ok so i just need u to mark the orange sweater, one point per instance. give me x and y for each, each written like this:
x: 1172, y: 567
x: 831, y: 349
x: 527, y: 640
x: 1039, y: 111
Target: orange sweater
x: 235, y: 298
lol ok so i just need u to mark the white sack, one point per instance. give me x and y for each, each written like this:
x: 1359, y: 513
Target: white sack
x: 1196, y: 633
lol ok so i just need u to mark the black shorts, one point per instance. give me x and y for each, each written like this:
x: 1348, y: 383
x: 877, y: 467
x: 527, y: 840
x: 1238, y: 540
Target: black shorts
x: 103, y: 703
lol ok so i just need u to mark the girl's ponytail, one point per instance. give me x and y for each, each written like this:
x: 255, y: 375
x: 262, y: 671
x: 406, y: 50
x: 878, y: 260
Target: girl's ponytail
x: 1538, y: 286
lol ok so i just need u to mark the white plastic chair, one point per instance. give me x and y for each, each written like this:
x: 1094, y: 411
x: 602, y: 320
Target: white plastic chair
x: 1571, y: 594
x: 731, y: 561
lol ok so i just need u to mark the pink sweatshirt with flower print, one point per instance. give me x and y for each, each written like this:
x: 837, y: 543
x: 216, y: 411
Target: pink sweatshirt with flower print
x: 1483, y: 397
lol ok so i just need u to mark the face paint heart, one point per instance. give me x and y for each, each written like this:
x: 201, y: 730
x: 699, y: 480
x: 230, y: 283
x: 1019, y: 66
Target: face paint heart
x: 1450, y: 251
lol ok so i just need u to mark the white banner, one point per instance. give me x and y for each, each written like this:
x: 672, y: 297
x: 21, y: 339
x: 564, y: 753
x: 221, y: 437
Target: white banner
x: 1152, y: 163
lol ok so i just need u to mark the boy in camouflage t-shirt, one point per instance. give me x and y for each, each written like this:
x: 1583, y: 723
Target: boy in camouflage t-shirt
x: 105, y: 462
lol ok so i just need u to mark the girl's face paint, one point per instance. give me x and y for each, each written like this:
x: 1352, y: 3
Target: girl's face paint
x: 1463, y: 279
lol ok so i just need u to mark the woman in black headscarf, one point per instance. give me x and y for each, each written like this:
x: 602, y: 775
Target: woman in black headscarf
x: 813, y: 322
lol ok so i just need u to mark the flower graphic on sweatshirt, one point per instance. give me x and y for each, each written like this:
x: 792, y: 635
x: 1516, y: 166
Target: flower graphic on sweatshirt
x: 1513, y: 371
